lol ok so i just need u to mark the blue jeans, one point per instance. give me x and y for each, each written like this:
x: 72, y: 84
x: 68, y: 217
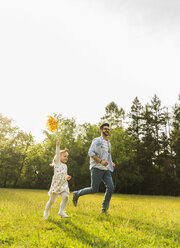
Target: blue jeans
x: 96, y: 177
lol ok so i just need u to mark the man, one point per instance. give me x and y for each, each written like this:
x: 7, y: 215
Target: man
x: 101, y: 166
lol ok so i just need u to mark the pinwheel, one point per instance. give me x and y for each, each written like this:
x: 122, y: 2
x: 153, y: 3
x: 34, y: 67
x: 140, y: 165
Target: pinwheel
x: 52, y: 124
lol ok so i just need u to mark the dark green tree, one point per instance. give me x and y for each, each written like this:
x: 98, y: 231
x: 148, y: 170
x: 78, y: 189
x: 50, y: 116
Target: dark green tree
x: 127, y: 173
x: 175, y: 136
x: 113, y: 115
x: 13, y: 148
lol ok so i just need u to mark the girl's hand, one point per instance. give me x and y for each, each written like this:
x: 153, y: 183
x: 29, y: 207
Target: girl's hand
x: 68, y: 178
x: 57, y: 142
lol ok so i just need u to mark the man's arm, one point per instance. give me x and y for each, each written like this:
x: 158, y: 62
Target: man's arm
x: 97, y: 159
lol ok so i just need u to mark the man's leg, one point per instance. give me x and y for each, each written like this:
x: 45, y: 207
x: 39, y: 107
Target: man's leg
x: 107, y: 179
x: 96, y: 177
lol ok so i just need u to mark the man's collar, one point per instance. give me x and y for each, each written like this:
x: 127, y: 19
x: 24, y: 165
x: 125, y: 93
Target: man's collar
x: 102, y: 138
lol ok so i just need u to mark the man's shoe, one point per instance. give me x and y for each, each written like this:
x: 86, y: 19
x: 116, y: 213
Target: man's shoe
x: 45, y: 215
x: 75, y: 198
x: 63, y: 214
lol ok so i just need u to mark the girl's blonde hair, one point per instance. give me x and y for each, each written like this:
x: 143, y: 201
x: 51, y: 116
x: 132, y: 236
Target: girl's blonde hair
x: 61, y: 151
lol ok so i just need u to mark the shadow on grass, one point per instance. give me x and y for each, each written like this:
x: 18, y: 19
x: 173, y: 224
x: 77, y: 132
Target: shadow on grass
x: 145, y: 226
x: 77, y: 233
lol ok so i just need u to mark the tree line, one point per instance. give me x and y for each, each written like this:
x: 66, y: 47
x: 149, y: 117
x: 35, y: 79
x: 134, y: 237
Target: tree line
x: 145, y: 146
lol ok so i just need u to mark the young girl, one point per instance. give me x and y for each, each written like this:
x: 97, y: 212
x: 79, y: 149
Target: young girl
x: 59, y: 184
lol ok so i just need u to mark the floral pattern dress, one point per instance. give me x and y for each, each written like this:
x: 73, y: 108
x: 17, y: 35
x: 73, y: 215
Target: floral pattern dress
x: 59, y: 182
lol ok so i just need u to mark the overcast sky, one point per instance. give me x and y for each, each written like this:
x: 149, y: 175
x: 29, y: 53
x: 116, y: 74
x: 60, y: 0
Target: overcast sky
x: 75, y: 57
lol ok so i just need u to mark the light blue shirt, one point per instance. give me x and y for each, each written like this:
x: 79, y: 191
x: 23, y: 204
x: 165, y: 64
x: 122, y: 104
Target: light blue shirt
x: 97, y: 148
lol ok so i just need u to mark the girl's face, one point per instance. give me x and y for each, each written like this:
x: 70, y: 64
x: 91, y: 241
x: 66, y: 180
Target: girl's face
x: 64, y: 157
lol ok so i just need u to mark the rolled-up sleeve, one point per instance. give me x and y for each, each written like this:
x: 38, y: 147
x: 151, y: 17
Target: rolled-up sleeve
x: 110, y: 157
x: 92, y: 149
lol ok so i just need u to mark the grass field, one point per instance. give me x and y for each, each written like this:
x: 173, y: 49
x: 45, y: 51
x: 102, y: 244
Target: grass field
x: 134, y: 221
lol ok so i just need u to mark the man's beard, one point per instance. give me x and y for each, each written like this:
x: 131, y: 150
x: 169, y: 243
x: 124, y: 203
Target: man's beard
x: 106, y: 134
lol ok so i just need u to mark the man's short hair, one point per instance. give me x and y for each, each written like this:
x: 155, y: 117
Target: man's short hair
x: 103, y: 125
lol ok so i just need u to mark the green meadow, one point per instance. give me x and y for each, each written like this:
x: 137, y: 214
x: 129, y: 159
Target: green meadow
x: 134, y: 221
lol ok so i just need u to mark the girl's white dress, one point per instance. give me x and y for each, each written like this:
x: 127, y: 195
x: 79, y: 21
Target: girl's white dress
x: 59, y: 182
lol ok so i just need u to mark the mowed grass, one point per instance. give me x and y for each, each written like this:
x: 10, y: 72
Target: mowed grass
x: 134, y: 221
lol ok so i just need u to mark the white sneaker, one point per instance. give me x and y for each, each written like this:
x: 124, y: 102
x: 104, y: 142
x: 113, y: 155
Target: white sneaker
x: 45, y: 215
x: 63, y: 214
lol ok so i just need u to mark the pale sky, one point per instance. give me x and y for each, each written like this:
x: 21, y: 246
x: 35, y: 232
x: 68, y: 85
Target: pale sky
x: 73, y: 57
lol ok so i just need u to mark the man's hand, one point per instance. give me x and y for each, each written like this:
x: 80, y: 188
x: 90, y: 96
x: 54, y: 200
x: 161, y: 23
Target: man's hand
x: 113, y: 164
x: 104, y: 162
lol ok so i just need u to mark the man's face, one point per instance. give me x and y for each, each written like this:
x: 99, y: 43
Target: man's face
x: 106, y: 130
